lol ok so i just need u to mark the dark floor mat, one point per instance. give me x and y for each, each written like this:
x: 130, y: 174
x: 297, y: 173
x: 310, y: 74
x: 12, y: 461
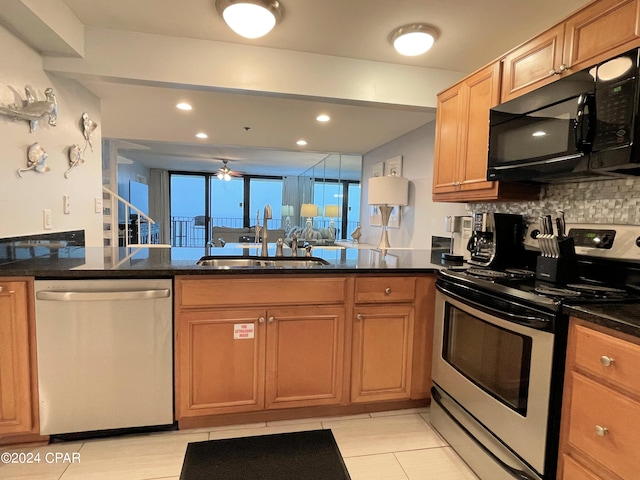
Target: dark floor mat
x: 311, y: 455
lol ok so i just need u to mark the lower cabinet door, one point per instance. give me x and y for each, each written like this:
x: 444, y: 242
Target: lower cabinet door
x: 305, y: 356
x: 222, y: 360
x: 382, y: 353
x: 16, y: 415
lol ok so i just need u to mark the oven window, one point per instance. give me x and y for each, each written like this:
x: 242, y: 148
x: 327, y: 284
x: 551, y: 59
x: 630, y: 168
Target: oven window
x: 495, y: 359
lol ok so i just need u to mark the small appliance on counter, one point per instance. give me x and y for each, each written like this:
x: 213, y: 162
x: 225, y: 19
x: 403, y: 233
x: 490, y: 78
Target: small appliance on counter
x: 496, y: 240
x: 460, y: 228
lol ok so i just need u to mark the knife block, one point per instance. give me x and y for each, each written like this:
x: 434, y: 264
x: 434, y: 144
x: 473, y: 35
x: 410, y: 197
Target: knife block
x: 559, y: 270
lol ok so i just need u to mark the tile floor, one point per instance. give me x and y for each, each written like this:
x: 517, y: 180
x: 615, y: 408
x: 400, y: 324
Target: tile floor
x: 395, y: 445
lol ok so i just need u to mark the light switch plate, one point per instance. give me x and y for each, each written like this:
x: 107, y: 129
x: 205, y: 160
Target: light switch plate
x: 47, y: 219
x: 67, y: 204
x: 97, y: 205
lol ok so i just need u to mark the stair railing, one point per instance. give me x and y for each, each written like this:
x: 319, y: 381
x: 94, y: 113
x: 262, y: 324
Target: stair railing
x: 141, y: 216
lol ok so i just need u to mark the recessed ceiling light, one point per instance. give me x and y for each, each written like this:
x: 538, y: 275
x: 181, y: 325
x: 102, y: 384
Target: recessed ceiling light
x: 323, y: 118
x: 202, y: 135
x: 301, y: 142
x: 184, y: 106
x: 539, y: 133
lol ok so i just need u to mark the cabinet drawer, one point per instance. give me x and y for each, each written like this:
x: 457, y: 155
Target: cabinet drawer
x: 594, y: 407
x: 595, y: 350
x: 572, y: 470
x: 260, y: 290
x: 385, y: 289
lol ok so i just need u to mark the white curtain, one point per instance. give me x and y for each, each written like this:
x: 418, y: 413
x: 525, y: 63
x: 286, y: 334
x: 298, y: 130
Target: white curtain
x: 159, y: 202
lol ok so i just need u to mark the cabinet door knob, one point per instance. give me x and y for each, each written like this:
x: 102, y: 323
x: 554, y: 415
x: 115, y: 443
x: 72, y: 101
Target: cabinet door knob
x: 271, y: 319
x: 261, y: 320
x: 563, y: 68
x: 387, y: 291
x: 601, y: 431
x: 606, y: 361
x: 359, y: 316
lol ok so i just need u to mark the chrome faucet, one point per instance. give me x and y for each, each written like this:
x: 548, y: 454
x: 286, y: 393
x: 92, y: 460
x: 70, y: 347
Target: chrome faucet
x: 294, y: 245
x: 265, y: 216
x: 279, y: 247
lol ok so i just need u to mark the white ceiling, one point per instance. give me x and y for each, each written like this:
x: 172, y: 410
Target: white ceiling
x: 472, y: 33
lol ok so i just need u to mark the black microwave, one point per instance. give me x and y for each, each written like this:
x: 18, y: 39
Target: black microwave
x: 584, y: 125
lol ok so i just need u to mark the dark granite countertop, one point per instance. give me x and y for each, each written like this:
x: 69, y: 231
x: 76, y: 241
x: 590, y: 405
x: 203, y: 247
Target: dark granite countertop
x: 80, y: 262
x: 623, y: 317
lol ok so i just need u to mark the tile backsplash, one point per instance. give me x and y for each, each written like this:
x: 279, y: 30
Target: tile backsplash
x: 612, y: 201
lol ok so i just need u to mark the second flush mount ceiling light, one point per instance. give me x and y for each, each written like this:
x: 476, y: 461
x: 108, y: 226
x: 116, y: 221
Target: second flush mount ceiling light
x: 251, y: 18
x: 413, y: 39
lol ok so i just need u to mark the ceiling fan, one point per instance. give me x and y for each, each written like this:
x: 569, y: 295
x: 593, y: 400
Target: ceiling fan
x: 225, y: 173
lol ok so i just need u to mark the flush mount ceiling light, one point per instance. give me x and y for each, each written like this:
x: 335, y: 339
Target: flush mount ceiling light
x: 251, y: 18
x: 414, y: 39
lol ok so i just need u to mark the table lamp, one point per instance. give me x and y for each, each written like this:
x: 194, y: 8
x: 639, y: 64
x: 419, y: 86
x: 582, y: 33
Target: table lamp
x: 308, y: 210
x: 386, y: 193
x: 332, y: 212
x: 287, y: 213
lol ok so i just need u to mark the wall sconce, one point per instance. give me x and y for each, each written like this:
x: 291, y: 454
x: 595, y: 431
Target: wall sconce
x: 387, y: 193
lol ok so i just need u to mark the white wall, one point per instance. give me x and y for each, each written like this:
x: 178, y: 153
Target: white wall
x: 422, y: 218
x: 23, y: 199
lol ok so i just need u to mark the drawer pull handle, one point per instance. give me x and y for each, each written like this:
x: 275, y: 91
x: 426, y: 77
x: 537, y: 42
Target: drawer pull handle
x: 601, y: 431
x: 606, y: 361
x: 359, y: 316
x: 261, y: 320
x: 271, y: 319
x: 387, y: 291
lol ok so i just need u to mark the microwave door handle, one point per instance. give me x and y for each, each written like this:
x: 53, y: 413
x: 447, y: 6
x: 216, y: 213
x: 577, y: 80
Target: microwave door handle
x: 583, y: 139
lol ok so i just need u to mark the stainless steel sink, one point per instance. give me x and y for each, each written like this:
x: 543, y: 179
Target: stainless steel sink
x: 253, y: 262
x: 228, y: 262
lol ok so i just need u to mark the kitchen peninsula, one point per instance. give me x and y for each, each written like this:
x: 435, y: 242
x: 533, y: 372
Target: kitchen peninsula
x: 265, y: 343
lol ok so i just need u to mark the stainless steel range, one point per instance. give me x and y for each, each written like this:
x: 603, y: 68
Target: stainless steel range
x: 500, y: 341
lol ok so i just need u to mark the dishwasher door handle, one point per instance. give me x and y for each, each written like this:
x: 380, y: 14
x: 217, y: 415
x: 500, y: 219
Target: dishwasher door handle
x: 101, y: 295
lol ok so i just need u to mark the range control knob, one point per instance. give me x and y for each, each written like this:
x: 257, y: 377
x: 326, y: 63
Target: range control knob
x: 638, y: 242
x: 606, y: 242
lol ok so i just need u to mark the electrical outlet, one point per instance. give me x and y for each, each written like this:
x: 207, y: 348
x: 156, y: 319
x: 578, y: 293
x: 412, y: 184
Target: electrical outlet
x: 67, y: 204
x: 97, y: 204
x: 47, y: 219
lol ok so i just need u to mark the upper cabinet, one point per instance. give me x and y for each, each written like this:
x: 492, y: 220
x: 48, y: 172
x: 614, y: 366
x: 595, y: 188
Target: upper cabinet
x: 602, y: 29
x: 462, y: 139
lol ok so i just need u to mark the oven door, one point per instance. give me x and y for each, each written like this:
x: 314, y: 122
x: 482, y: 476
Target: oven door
x: 498, y: 370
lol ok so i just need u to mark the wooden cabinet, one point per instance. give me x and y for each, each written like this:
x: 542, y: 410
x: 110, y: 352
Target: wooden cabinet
x: 305, y: 356
x: 462, y: 142
x: 601, y: 405
x: 391, y: 347
x: 600, y: 30
x: 262, y: 346
x: 382, y: 353
x: 18, y: 382
x: 230, y: 358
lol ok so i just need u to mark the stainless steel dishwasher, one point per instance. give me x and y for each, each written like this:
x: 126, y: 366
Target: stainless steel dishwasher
x: 105, y: 354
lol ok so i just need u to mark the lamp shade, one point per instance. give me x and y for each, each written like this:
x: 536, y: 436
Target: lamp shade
x: 287, y: 210
x: 332, y: 211
x: 389, y: 190
x: 308, y: 210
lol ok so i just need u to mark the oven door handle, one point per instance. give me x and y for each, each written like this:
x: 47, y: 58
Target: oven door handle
x: 533, y: 322
x: 514, y: 472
